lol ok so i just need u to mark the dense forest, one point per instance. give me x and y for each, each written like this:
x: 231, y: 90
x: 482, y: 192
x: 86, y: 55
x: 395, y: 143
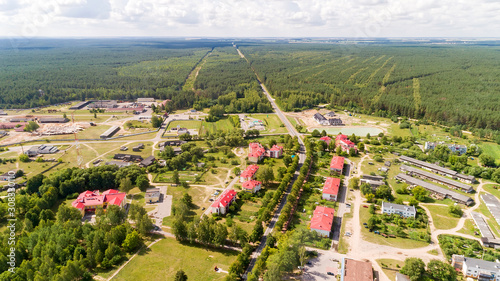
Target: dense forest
x: 453, y: 84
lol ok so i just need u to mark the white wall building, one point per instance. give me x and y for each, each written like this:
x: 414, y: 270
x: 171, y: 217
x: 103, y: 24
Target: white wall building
x: 398, y: 209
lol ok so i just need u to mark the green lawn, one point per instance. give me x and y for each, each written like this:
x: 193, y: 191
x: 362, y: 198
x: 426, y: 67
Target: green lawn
x: 469, y: 228
x: 272, y: 122
x: 390, y: 267
x: 93, y: 132
x: 441, y: 218
x: 397, y: 242
x: 492, y: 149
x: 167, y: 256
x: 189, y: 124
x: 198, y: 194
x: 223, y: 125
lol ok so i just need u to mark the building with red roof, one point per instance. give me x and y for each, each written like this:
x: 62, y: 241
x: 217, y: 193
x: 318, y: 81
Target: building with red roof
x: 322, y: 220
x: 345, y: 143
x: 326, y: 139
x: 276, y: 151
x: 89, y: 201
x: 331, y: 189
x: 337, y: 164
x: 221, y: 205
x: 249, y: 173
x: 256, y: 152
x: 252, y: 186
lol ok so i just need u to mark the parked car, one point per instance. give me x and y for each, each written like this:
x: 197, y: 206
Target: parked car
x: 364, y: 206
x: 364, y: 223
x: 330, y: 273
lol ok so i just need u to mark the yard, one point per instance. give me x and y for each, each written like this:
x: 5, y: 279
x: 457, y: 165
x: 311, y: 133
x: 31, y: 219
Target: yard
x: 272, y: 122
x: 199, y: 194
x: 404, y: 243
x: 441, y: 217
x: 390, y: 267
x: 166, y: 257
x: 189, y: 124
x: 212, y: 127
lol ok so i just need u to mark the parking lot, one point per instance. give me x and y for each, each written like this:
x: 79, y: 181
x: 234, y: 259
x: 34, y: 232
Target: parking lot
x: 327, y: 261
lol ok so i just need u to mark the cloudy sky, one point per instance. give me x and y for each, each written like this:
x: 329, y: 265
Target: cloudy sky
x: 250, y: 18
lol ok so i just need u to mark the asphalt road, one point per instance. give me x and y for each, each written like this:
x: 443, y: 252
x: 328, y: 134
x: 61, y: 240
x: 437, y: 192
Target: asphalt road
x: 302, y: 157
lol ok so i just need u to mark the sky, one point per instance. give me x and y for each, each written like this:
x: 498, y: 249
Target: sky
x: 250, y: 18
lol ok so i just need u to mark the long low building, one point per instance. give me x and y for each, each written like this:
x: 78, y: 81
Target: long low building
x: 52, y: 120
x: 110, y: 132
x: 438, y: 169
x: 435, y: 178
x: 493, y: 205
x: 80, y: 105
x: 373, y: 181
x: 440, y: 191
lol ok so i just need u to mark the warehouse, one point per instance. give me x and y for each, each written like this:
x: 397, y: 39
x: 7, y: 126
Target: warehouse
x: 437, y: 190
x: 435, y: 178
x: 110, y: 132
x: 52, y: 120
x: 437, y: 169
x: 80, y: 105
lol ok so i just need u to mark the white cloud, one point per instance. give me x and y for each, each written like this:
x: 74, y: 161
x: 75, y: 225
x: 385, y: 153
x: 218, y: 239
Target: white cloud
x: 357, y: 18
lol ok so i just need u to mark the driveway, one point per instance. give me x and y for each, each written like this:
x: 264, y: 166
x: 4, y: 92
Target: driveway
x: 327, y: 261
x: 164, y: 207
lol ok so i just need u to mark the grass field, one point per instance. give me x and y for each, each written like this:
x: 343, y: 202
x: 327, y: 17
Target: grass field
x: 493, y: 150
x: 272, y: 121
x: 200, y: 197
x: 166, y: 257
x: 469, y: 228
x: 223, y: 125
x: 441, y: 218
x: 189, y: 124
x: 390, y: 267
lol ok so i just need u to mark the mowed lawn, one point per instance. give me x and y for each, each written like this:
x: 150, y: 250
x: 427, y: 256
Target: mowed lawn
x: 223, y: 125
x: 167, y: 256
x: 188, y: 124
x: 493, y: 150
x: 441, y: 217
x: 272, y: 122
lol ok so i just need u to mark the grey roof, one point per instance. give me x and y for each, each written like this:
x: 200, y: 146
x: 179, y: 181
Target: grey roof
x: 466, y: 177
x: 21, y: 119
x: 435, y: 189
x: 493, y: 205
x: 109, y: 132
x: 47, y: 149
x: 399, y: 207
x: 145, y: 99
x: 482, y: 225
x: 148, y: 161
x: 437, y: 178
x: 53, y: 120
x: 319, y: 117
x: 152, y: 192
x: 370, y: 177
x: 435, y: 167
x: 80, y: 105
x: 482, y: 264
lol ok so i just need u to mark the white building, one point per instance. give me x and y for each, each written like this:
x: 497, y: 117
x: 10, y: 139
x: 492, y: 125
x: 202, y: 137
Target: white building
x: 476, y: 268
x: 398, y: 209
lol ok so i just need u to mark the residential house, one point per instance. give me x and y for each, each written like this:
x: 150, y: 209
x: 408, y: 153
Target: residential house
x: 249, y: 173
x: 344, y: 143
x: 256, y: 152
x: 138, y: 147
x: 330, y: 114
x: 173, y: 143
x: 322, y: 220
x: 398, y: 209
x: 321, y: 119
x: 337, y: 165
x: 476, y: 268
x: 128, y: 157
x: 252, y: 186
x: 354, y: 270
x: 221, y: 205
x: 331, y: 189
x: 147, y: 162
x: 335, y: 122
x: 89, y: 201
x: 461, y: 149
x: 276, y: 151
x: 326, y: 139
x: 152, y: 195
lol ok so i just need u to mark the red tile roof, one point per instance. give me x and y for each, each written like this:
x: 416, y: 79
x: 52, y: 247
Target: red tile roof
x: 94, y: 198
x: 331, y: 186
x: 225, y: 198
x: 345, y: 140
x: 337, y: 163
x: 250, y: 171
x: 251, y: 184
x: 325, y: 138
x: 256, y: 149
x: 276, y: 148
x: 322, y: 218
x: 357, y: 270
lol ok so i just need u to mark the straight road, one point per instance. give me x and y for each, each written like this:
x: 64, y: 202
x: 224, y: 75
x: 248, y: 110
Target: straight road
x: 302, y: 158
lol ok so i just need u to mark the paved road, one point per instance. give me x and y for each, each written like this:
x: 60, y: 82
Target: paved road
x: 302, y: 158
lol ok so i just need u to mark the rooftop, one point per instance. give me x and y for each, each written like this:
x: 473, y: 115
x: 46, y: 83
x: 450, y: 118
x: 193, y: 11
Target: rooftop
x: 357, y: 270
x: 337, y: 163
x: 399, y: 207
x: 251, y: 184
x: 250, y: 171
x: 331, y: 186
x: 322, y: 218
x: 224, y: 198
x: 444, y: 180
